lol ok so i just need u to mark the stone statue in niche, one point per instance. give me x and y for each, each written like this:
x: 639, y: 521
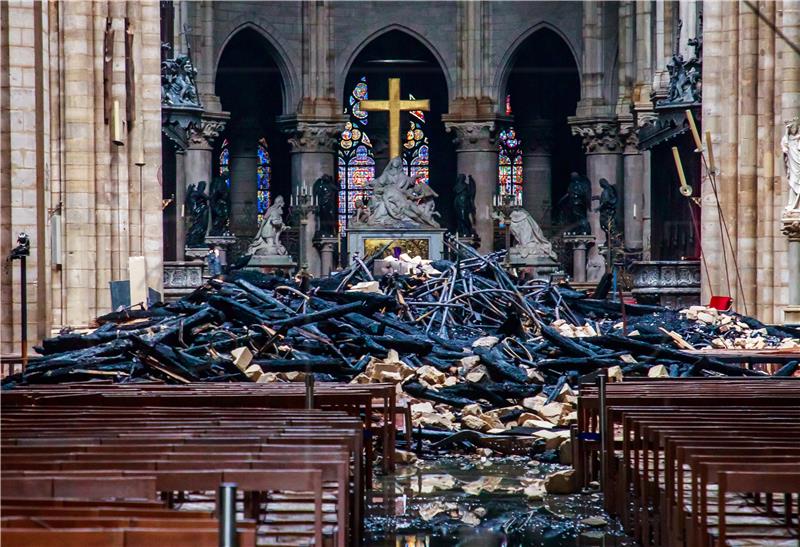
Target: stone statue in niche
x: 608, y: 206
x: 790, y: 145
x: 267, y: 240
x: 220, y: 200
x: 464, y: 204
x: 197, y: 208
x: 178, y: 86
x: 575, y: 205
x: 397, y: 201
x: 529, y: 237
x: 326, y: 196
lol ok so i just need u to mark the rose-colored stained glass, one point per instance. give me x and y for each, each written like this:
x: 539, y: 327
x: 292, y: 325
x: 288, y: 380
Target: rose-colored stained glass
x: 356, y: 164
x: 416, y: 161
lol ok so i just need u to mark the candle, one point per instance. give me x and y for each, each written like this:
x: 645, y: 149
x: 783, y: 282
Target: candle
x: 141, y: 156
x: 697, y: 142
x: 678, y: 165
x: 711, y: 167
x: 634, y: 210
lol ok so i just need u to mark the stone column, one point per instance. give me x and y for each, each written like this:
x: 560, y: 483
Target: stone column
x: 326, y: 247
x: 603, y: 151
x: 537, y: 144
x: 476, y: 155
x: 791, y: 228
x: 198, y: 160
x: 313, y: 152
x: 180, y: 199
x: 243, y: 166
x: 790, y: 106
x: 633, y: 196
x: 579, y: 262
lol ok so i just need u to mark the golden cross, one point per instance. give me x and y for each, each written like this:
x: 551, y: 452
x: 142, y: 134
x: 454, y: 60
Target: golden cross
x: 394, y: 106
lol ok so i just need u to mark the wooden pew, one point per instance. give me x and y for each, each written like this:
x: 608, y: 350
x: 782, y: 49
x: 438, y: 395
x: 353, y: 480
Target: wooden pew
x: 183, y: 441
x: 667, y: 443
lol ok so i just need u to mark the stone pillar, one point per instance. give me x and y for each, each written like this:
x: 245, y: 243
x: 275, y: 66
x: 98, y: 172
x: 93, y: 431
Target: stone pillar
x: 476, y: 155
x: 326, y: 247
x: 199, y: 150
x: 180, y: 199
x: 243, y: 165
x: 633, y: 196
x: 603, y: 151
x: 579, y: 262
x: 313, y: 152
x: 791, y: 228
x: 537, y: 143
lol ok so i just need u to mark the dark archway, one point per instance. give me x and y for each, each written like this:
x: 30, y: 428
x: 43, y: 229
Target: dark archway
x: 397, y: 54
x: 544, y: 89
x: 250, y: 87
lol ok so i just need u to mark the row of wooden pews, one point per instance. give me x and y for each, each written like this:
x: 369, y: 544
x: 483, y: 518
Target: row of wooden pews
x: 695, y: 462
x: 138, y: 464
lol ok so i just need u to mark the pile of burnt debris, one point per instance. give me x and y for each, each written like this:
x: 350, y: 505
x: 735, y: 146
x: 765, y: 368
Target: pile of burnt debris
x: 471, y: 346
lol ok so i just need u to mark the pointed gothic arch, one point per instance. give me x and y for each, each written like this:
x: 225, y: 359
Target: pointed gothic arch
x: 290, y: 81
x: 510, y: 56
x: 347, y: 65
x: 249, y: 82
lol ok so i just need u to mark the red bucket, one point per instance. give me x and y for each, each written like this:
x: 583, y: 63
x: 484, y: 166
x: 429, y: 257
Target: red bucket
x: 721, y: 303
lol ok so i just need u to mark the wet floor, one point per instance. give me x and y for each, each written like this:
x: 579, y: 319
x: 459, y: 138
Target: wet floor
x: 486, y: 502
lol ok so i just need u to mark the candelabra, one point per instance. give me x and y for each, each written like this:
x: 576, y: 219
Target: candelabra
x: 302, y: 204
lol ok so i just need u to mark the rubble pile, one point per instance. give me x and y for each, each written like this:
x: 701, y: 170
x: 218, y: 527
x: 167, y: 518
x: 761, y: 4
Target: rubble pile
x: 473, y: 351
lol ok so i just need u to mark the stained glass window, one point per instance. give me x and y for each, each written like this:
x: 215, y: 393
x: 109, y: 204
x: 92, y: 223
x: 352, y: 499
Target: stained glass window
x: 263, y: 171
x: 415, y: 148
x: 225, y: 162
x: 356, y: 163
x: 509, y: 165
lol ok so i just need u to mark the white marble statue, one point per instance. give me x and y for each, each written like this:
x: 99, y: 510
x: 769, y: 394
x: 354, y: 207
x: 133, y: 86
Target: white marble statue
x: 397, y: 201
x: 267, y: 240
x: 530, y: 239
x: 790, y: 144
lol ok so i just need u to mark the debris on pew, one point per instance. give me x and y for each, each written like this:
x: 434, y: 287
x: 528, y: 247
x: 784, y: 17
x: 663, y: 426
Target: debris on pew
x: 483, y: 360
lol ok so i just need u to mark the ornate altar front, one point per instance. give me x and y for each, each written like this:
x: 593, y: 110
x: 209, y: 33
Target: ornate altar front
x: 426, y: 243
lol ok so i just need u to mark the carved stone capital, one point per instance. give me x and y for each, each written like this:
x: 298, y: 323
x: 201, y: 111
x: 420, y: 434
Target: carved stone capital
x: 629, y: 137
x: 599, y: 136
x: 305, y: 137
x: 202, y: 134
x: 791, y: 227
x: 473, y: 135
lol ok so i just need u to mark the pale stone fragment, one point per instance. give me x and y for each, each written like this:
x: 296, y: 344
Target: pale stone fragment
x: 658, y: 371
x: 561, y: 482
x: 486, y: 342
x: 366, y: 286
x: 474, y: 422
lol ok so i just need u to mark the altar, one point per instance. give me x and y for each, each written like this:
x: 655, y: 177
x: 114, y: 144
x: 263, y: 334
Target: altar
x: 400, y: 211
x: 425, y: 242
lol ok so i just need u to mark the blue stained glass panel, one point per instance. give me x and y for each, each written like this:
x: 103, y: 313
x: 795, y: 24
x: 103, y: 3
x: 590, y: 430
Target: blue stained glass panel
x: 263, y: 171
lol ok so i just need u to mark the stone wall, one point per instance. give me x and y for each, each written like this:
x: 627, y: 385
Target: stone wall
x: 58, y: 160
x: 751, y: 87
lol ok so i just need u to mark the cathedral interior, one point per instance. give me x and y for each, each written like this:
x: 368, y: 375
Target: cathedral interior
x: 498, y: 209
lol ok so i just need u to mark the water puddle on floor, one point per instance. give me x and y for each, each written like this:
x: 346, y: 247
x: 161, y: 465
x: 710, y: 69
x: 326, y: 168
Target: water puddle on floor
x: 486, y: 502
